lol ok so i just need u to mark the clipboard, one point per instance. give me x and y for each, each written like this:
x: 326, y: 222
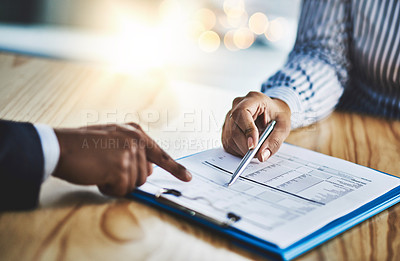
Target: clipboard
x: 258, y: 245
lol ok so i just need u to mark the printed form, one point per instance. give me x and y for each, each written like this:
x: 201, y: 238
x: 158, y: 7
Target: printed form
x: 293, y: 194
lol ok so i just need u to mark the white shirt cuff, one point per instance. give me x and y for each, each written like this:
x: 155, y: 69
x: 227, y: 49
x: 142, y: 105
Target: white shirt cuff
x: 50, y: 147
x: 287, y: 95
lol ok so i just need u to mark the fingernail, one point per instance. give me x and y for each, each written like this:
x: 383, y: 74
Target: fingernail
x: 265, y: 154
x: 250, y: 143
x: 188, y: 175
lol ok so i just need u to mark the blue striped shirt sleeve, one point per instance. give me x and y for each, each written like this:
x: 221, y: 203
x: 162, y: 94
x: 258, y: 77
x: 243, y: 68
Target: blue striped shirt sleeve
x: 313, y: 78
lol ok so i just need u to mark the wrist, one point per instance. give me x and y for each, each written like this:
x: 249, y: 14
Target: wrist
x: 282, y: 105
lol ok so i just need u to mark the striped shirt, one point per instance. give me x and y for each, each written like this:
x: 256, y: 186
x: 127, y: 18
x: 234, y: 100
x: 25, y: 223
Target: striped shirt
x: 346, y: 56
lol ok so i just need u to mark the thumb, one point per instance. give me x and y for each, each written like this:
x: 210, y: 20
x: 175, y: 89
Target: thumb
x: 274, y: 142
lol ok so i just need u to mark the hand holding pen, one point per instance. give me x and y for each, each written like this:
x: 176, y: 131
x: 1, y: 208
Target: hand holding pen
x: 248, y: 115
x: 250, y: 154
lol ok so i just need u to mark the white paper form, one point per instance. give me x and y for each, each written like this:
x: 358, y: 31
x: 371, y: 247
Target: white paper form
x: 293, y: 194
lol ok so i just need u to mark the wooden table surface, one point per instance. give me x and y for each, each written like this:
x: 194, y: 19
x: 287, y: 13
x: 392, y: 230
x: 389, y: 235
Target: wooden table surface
x: 78, y: 223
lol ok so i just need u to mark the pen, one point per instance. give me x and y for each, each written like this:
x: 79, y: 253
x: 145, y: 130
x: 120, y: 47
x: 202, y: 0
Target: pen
x: 251, y: 153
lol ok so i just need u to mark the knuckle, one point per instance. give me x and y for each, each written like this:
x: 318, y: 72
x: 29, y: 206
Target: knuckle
x: 235, y: 113
x: 253, y: 94
x: 137, y: 127
x: 134, y: 124
x: 133, y: 128
x: 236, y: 101
x: 133, y: 148
x: 122, y: 161
x: 274, y: 144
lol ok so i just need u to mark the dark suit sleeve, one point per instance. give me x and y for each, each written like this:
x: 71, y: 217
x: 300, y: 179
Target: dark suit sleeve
x: 21, y: 165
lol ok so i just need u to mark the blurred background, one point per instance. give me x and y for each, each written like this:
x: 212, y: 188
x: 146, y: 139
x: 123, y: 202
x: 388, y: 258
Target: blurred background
x: 234, y: 44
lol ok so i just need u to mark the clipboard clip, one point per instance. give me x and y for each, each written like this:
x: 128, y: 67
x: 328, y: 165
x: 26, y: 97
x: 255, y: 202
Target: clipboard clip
x: 231, y: 217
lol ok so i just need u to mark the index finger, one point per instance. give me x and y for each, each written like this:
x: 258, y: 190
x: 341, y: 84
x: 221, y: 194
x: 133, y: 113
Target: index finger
x: 243, y: 116
x: 155, y: 154
x: 158, y: 156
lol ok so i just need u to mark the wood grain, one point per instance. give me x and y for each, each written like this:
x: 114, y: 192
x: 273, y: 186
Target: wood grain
x: 78, y: 223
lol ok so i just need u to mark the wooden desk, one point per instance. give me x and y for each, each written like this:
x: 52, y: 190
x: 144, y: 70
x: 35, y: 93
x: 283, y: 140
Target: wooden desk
x: 78, y: 223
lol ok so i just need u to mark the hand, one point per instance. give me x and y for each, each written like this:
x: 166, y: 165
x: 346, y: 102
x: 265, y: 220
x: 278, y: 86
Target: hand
x: 248, y: 118
x: 116, y: 158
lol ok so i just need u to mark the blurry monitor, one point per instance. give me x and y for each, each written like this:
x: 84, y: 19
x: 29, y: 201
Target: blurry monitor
x: 20, y: 11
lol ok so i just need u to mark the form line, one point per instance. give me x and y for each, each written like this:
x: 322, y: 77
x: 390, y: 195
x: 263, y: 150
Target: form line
x: 265, y: 185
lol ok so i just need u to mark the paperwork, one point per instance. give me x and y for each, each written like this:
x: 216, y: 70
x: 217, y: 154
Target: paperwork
x: 295, y: 193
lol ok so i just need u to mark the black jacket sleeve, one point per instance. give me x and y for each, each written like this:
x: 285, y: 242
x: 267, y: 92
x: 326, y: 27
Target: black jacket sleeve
x: 21, y: 165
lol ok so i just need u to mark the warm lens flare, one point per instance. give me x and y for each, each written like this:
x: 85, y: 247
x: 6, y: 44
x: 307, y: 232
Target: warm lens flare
x: 169, y: 8
x: 275, y: 30
x: 258, y: 23
x: 209, y: 41
x: 229, y: 42
x: 243, y: 38
x: 236, y: 22
x: 195, y: 29
x: 234, y: 8
x: 178, y: 30
x: 138, y: 45
x: 206, y: 17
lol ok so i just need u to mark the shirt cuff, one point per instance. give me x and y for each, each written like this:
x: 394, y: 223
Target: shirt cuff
x: 287, y: 95
x: 50, y: 147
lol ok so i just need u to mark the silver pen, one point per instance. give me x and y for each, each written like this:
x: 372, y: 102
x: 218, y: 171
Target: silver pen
x: 251, y: 153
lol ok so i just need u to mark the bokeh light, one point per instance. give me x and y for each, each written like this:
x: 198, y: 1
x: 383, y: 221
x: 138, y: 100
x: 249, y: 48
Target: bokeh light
x: 237, y: 21
x: 209, y: 41
x: 234, y: 8
x: 169, y: 9
x: 229, y: 42
x: 206, y: 17
x: 243, y: 38
x: 258, y: 23
x: 275, y: 30
x: 195, y: 28
x: 223, y: 21
x: 143, y: 43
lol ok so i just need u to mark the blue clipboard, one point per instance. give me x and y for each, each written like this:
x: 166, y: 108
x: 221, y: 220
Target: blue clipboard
x: 268, y: 249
